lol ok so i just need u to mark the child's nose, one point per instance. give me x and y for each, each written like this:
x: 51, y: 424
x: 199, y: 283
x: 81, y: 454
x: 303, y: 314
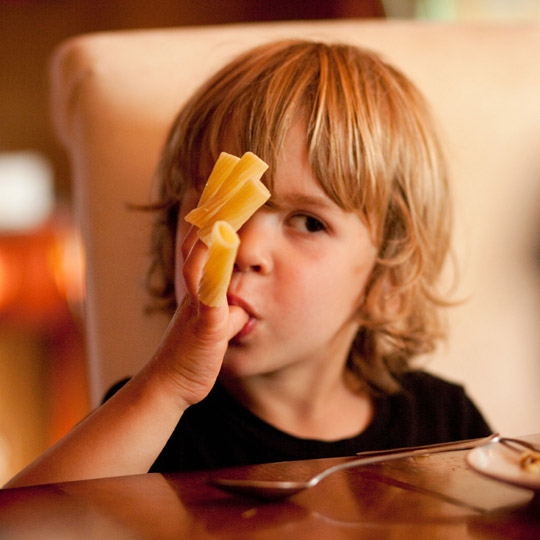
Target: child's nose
x: 254, y: 253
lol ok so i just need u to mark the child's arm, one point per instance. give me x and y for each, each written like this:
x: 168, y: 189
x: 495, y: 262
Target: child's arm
x: 126, y: 434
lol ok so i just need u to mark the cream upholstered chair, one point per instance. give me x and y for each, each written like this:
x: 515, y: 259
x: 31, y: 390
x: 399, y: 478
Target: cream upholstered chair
x: 115, y: 94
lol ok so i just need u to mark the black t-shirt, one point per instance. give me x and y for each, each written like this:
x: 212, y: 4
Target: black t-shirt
x: 219, y: 432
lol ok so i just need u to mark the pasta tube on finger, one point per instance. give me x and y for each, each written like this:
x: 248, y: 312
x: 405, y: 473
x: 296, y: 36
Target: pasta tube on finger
x: 219, y: 265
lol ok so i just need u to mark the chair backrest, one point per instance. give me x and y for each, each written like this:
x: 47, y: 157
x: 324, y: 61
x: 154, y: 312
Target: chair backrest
x: 115, y: 94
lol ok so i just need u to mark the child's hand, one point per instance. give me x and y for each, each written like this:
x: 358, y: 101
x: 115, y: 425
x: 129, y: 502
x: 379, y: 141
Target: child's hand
x: 191, y: 354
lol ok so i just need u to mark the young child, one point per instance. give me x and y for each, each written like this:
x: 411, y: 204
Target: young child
x: 334, y: 289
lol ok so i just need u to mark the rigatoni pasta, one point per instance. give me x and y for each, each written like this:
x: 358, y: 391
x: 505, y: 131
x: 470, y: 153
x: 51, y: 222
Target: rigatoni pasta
x: 218, y: 267
x: 232, y: 194
x: 223, y: 167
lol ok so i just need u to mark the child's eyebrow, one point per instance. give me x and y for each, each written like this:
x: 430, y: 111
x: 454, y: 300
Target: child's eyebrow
x: 278, y: 202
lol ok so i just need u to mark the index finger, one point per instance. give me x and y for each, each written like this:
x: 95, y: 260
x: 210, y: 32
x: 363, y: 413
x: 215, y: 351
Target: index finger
x: 189, y: 242
x: 194, y: 259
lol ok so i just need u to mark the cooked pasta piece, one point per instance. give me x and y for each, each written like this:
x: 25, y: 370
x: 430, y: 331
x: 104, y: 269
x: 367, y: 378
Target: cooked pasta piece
x: 238, y: 208
x: 232, y: 198
x: 218, y: 267
x: 223, y: 167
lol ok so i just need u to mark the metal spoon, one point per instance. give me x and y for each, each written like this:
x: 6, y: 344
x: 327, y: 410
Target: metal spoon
x: 277, y: 489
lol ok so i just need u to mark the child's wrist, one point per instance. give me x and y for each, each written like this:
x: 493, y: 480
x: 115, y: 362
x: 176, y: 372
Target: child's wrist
x: 162, y: 388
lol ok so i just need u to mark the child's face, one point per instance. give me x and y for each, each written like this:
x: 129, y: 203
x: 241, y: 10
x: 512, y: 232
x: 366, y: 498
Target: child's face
x: 300, y: 274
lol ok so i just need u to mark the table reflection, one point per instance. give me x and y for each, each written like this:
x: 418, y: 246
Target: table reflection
x: 433, y: 496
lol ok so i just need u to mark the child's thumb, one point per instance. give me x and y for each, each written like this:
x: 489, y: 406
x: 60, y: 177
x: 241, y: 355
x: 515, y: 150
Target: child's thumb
x: 237, y: 319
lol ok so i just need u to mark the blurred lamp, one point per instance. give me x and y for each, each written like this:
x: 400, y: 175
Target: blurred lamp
x: 26, y: 190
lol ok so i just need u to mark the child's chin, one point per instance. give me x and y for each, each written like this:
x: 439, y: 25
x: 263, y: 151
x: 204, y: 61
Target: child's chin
x: 235, y: 366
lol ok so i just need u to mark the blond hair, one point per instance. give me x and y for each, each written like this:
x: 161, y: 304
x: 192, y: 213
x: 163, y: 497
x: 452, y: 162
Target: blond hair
x: 373, y: 148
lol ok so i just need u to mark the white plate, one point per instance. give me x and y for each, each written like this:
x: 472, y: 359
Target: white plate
x: 498, y: 462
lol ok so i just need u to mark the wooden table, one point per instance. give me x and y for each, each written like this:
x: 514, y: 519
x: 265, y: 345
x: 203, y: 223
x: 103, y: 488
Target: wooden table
x: 431, y: 497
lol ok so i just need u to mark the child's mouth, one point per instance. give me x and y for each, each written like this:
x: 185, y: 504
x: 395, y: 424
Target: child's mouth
x: 251, y: 323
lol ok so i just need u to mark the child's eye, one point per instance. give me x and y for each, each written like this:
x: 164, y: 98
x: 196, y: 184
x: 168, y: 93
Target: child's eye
x: 306, y: 223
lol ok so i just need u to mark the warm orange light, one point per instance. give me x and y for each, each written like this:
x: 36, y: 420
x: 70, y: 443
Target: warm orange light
x: 3, y: 281
x: 41, y: 297
x: 41, y: 274
x: 66, y: 261
x: 9, y: 281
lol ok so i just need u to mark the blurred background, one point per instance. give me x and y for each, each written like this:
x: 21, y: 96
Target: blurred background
x: 43, y: 390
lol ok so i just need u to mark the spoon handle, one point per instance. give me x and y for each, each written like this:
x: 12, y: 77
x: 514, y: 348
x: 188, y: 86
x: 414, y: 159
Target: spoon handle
x: 369, y: 458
